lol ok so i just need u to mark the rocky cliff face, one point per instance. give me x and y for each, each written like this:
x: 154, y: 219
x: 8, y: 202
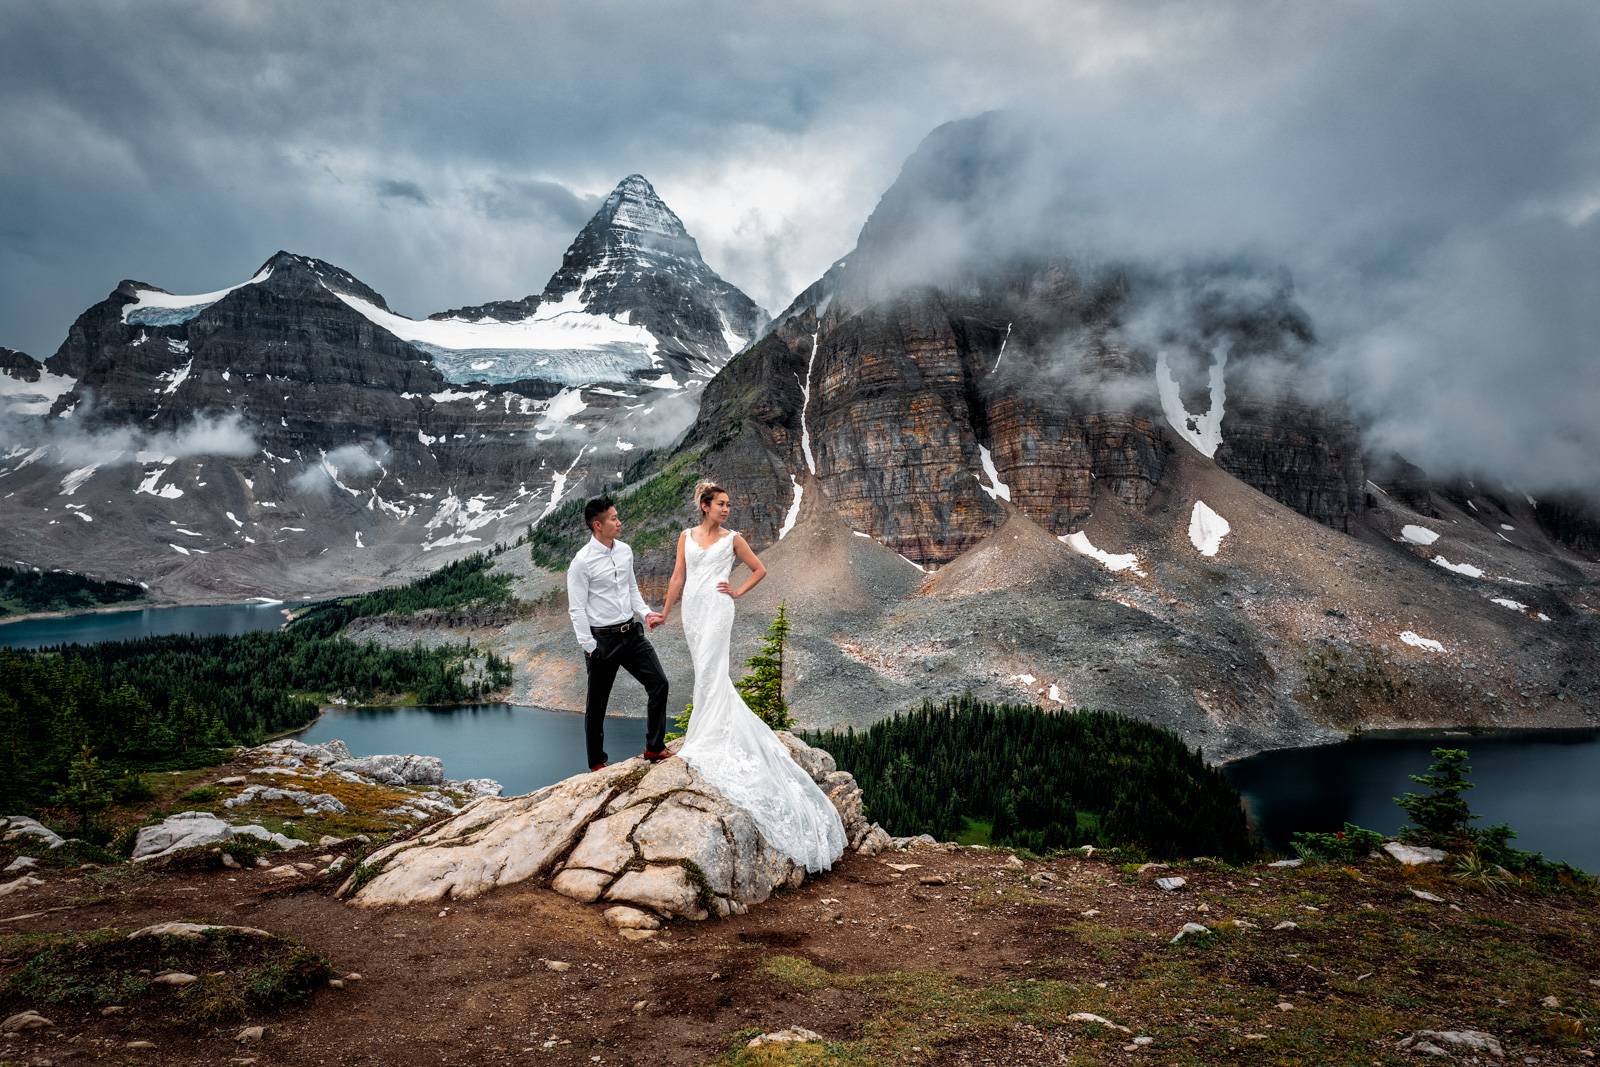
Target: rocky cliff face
x: 1025, y: 376
x: 300, y: 435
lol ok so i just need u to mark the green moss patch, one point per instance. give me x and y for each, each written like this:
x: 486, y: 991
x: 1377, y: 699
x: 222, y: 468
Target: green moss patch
x: 238, y: 975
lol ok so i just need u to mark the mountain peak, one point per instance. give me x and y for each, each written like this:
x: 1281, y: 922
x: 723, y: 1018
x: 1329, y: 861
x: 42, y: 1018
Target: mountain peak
x: 635, y: 205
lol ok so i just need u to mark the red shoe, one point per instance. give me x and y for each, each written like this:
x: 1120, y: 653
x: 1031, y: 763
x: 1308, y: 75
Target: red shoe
x: 657, y: 757
x: 598, y: 767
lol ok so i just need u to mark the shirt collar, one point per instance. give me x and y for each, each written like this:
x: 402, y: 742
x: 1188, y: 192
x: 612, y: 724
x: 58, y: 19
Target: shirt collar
x: 595, y: 545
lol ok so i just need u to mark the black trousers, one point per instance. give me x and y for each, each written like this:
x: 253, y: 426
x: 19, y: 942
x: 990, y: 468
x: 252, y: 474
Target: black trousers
x: 633, y: 653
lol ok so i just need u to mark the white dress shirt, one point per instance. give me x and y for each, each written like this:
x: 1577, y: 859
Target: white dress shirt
x: 601, y: 589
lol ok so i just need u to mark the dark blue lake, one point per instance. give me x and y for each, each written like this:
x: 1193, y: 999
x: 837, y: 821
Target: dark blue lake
x: 128, y: 624
x: 1544, y: 783
x: 521, y: 748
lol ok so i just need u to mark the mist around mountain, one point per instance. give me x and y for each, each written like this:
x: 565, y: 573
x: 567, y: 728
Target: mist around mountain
x: 291, y: 434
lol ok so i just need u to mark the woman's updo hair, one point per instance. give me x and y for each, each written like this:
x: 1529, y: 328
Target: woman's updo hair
x: 705, y: 493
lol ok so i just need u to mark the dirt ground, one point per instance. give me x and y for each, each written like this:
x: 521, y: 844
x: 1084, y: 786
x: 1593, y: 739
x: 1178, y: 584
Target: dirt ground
x: 958, y: 956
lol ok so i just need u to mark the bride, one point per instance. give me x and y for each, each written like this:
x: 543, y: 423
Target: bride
x: 727, y: 743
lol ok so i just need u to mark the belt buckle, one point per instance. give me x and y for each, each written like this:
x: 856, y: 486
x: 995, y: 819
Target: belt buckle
x: 625, y: 627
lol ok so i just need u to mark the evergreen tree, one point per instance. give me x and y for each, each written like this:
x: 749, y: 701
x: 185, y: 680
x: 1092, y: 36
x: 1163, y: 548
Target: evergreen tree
x: 762, y: 687
x: 88, y: 790
x: 1440, y: 815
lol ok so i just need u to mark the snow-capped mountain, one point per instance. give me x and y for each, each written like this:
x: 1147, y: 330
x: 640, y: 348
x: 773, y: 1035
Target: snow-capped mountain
x: 294, y: 434
x: 632, y: 299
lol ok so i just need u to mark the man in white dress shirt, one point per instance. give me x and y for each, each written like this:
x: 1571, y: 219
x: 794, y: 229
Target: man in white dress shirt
x: 606, y: 607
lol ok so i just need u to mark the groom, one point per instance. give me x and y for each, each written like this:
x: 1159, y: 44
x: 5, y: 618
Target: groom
x: 604, y: 602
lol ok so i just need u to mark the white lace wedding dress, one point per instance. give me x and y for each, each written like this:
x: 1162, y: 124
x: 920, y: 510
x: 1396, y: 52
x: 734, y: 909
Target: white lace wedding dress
x: 728, y: 744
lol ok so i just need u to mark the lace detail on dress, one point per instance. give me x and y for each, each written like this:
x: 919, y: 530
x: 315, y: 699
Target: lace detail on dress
x: 728, y: 744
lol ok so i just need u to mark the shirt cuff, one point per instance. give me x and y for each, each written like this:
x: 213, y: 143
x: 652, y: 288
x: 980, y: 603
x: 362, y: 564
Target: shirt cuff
x: 589, y: 645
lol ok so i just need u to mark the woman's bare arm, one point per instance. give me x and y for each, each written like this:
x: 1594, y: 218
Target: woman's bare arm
x: 747, y: 556
x: 675, y: 586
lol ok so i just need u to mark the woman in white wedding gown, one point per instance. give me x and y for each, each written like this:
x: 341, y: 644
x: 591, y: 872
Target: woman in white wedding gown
x: 727, y: 743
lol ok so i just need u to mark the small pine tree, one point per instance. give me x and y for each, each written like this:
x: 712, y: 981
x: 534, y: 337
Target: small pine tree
x: 762, y: 688
x: 680, y: 725
x: 1440, y: 815
x: 88, y: 790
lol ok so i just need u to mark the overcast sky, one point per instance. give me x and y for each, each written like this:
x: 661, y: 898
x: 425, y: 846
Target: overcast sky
x: 1430, y: 172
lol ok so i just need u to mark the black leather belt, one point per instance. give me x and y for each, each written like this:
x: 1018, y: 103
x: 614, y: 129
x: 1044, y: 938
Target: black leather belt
x: 614, y: 628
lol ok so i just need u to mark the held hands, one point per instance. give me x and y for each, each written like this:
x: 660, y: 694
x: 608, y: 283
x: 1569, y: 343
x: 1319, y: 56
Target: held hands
x: 724, y: 587
x: 654, y: 619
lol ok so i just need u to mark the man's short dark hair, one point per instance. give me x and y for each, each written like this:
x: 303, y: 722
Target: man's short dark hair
x: 596, y: 508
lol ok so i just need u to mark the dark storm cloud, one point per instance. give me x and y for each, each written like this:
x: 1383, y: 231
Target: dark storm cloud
x: 1429, y: 172
x: 544, y: 201
x: 397, y: 189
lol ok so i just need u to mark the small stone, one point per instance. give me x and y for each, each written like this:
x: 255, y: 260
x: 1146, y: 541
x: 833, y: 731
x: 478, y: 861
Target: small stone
x: 556, y: 965
x: 622, y: 917
x: 261, y: 861
x: 113, y: 1009
x: 27, y: 881
x: 326, y: 857
x: 1042, y: 878
x: 902, y: 867
x: 1144, y: 867
x: 229, y: 862
x: 1014, y: 863
x: 1286, y: 863
x: 328, y: 841
x: 1171, y: 884
x: 1287, y: 924
x: 1090, y: 913
x: 784, y: 1036
x: 336, y: 983
x: 140, y: 1045
x: 1551, y: 1002
x: 1435, y: 1042
x: 1143, y: 1040
x: 1413, y: 855
x: 638, y: 1005
x: 1423, y: 894
x: 250, y: 1035
x: 353, y: 976
x: 1189, y: 929
x: 173, y: 978
x: 1284, y: 1005
x: 1098, y: 1020
x: 25, y: 1020
x: 637, y: 935
x: 286, y: 873
x: 932, y: 879
x: 21, y: 863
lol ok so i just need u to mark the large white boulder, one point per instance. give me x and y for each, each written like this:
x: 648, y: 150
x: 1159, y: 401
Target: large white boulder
x: 408, y: 769
x: 310, y: 803
x: 191, y: 829
x: 16, y: 827
x: 655, y: 837
x: 290, y: 749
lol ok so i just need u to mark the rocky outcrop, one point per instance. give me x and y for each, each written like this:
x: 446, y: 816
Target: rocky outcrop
x: 193, y: 829
x: 655, y: 838
x: 17, y: 827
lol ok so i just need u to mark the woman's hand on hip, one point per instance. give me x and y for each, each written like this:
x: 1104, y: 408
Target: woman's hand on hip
x: 724, y: 587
